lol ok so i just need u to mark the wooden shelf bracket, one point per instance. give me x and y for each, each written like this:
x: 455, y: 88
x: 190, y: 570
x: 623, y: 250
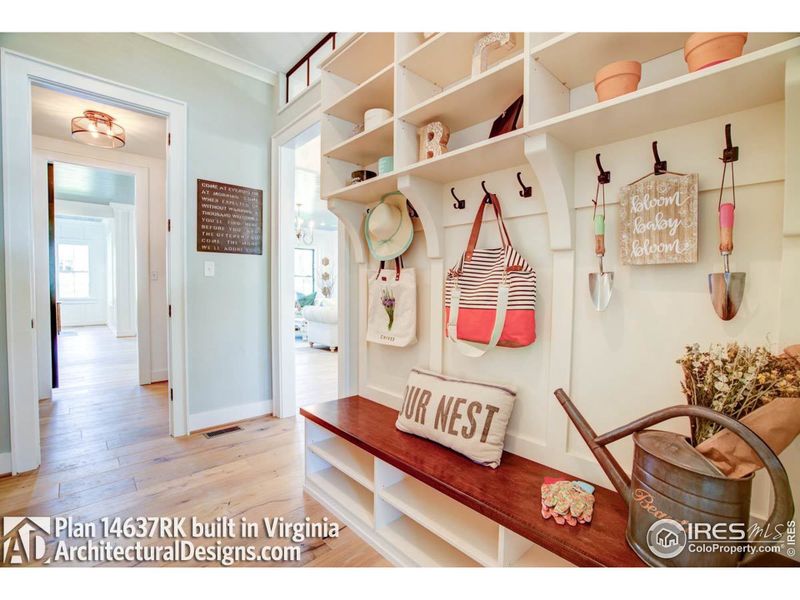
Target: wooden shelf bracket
x: 426, y: 198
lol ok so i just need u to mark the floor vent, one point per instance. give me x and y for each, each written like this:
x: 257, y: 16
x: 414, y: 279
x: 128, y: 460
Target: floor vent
x: 211, y: 434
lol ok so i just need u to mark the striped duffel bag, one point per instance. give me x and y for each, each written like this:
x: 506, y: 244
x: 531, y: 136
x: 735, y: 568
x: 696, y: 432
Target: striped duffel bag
x: 490, y: 295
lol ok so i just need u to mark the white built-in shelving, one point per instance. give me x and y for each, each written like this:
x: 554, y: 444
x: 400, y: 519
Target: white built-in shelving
x: 430, y: 79
x: 406, y: 520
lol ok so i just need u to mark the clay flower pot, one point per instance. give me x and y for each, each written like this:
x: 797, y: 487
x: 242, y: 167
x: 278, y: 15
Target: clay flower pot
x: 706, y: 49
x: 617, y: 78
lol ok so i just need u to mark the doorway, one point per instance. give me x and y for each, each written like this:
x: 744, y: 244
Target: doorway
x: 310, y: 263
x: 22, y: 170
x: 92, y: 287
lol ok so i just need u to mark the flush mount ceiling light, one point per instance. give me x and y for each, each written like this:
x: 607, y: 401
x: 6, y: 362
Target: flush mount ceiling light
x: 97, y: 128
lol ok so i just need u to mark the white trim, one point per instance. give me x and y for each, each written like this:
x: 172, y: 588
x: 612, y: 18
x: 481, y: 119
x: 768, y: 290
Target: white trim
x: 231, y: 414
x: 17, y: 73
x: 159, y: 375
x: 5, y: 463
x: 214, y: 55
x: 282, y: 218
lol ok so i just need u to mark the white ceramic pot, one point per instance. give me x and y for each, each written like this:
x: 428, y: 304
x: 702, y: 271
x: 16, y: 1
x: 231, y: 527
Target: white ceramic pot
x: 374, y: 117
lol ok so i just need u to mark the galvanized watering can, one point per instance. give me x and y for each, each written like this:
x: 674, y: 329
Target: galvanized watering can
x: 673, y: 481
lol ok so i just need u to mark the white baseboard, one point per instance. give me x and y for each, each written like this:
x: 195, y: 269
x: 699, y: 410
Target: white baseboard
x: 5, y: 463
x: 159, y: 375
x: 231, y: 414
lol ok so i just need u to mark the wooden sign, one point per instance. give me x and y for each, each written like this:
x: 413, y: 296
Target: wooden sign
x: 658, y: 220
x: 229, y: 218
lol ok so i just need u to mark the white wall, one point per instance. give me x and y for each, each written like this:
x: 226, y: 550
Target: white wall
x: 92, y: 310
x: 623, y: 359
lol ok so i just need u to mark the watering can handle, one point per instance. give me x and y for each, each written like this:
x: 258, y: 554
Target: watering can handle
x: 784, y: 505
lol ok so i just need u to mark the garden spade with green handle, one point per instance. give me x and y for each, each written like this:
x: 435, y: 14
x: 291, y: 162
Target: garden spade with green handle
x: 600, y: 284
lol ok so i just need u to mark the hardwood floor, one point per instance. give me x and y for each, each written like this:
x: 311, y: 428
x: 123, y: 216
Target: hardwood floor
x: 316, y: 374
x: 106, y: 452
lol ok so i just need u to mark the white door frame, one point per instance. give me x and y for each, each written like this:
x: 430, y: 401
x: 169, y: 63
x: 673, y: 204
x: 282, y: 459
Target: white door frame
x: 282, y: 290
x: 17, y: 73
x: 142, y: 243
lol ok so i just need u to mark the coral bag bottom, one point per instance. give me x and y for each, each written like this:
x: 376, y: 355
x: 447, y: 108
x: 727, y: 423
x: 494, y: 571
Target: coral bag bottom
x: 476, y: 324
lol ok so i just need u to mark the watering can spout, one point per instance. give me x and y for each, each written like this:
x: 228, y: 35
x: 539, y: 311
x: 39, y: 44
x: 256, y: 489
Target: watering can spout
x: 609, y: 464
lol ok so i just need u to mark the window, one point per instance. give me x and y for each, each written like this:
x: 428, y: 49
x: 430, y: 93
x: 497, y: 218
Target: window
x: 304, y: 271
x: 73, y: 271
x: 306, y: 71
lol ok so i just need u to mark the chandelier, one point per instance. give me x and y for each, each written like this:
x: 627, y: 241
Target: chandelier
x: 97, y: 128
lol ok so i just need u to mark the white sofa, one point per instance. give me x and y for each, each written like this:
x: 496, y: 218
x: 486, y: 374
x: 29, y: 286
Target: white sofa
x: 323, y: 327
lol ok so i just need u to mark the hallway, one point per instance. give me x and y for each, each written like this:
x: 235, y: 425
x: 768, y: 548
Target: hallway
x: 106, y: 452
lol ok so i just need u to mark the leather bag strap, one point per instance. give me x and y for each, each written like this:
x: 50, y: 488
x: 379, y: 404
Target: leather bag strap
x: 476, y: 226
x: 398, y: 265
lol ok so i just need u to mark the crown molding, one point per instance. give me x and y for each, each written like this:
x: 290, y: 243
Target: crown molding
x: 214, y: 55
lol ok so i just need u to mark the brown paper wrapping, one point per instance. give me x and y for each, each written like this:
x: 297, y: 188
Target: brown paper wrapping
x: 777, y: 423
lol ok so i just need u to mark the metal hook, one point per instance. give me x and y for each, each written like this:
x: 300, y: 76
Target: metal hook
x: 487, y: 195
x: 604, y: 176
x: 660, y: 166
x: 527, y: 191
x: 731, y: 152
x: 459, y: 204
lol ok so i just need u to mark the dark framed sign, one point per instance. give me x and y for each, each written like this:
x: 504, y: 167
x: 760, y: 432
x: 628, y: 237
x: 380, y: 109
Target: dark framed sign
x: 229, y: 218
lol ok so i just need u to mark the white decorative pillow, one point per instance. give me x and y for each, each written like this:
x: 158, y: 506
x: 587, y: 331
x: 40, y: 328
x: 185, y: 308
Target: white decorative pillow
x: 469, y: 417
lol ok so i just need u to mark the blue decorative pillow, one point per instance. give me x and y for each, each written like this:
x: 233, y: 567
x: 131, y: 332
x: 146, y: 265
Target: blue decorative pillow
x: 306, y: 300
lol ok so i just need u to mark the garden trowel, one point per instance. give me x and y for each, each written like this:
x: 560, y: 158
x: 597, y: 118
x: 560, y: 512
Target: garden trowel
x: 726, y: 288
x: 600, y: 284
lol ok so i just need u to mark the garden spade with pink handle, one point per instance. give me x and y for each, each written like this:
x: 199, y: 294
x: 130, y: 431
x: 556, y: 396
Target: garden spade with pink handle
x: 726, y: 288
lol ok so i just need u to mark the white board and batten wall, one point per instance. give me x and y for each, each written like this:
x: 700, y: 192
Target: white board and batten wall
x: 619, y: 364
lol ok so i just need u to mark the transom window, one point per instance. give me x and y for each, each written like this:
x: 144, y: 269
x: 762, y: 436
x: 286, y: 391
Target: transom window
x: 306, y: 71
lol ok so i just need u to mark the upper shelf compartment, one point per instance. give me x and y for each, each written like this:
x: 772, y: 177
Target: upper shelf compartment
x: 446, y: 58
x: 361, y: 57
x: 473, y: 100
x: 377, y: 91
x: 574, y: 58
x: 754, y: 79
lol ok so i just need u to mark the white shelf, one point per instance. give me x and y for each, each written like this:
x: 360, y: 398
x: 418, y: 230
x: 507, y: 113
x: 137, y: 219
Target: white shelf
x: 367, y: 191
x: 574, y: 58
x: 422, y: 547
x: 366, y: 147
x: 350, y: 495
x: 473, y: 534
x: 349, y: 459
x: 375, y: 92
x: 447, y: 57
x: 751, y: 80
x: 361, y: 56
x: 473, y: 100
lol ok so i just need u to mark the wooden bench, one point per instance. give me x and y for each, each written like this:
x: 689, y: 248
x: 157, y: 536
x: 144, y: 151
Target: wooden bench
x: 419, y: 503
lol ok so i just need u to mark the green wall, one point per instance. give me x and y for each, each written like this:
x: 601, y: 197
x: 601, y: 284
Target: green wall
x: 230, y: 121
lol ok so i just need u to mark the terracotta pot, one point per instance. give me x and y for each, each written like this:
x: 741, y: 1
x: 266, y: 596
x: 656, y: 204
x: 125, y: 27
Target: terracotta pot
x: 617, y: 78
x: 706, y: 49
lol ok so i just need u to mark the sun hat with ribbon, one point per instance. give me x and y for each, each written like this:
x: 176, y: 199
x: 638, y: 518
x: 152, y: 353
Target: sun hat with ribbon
x: 388, y: 227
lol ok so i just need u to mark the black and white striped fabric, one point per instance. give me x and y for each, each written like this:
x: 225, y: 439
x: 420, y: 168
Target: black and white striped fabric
x: 479, y: 278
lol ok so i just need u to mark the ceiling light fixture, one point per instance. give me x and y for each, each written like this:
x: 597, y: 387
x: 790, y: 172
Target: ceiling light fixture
x: 97, y: 128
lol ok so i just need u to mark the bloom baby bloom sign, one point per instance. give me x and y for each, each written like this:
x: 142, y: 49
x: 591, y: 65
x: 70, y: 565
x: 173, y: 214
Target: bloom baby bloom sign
x: 658, y: 220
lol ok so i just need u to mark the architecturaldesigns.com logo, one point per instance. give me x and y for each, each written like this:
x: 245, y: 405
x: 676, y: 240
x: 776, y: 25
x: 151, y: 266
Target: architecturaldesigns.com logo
x: 24, y: 539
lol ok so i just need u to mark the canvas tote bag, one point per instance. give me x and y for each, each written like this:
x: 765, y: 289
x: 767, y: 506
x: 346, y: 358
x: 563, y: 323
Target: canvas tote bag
x: 392, y: 310
x: 490, y: 295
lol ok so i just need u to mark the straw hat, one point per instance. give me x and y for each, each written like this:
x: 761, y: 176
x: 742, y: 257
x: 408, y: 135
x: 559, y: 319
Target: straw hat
x: 388, y: 227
